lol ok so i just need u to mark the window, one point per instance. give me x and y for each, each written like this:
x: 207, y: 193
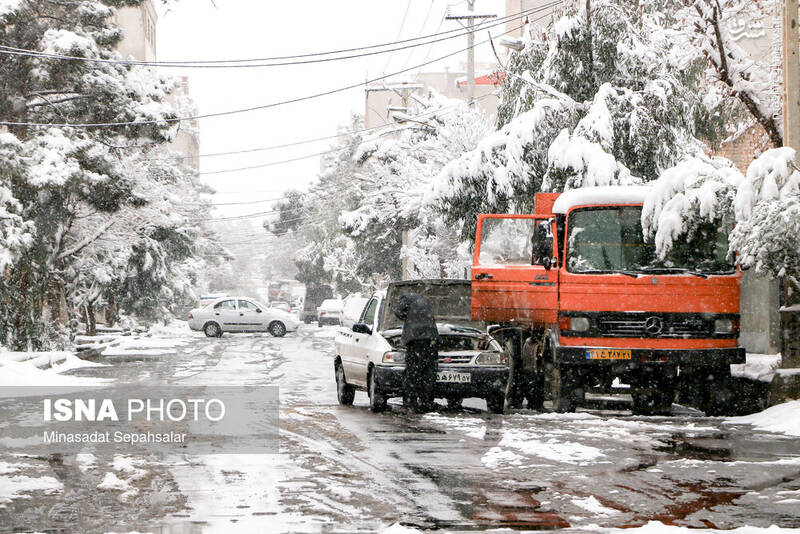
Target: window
x: 611, y: 239
x: 247, y: 305
x: 225, y: 305
x: 506, y: 241
x: 369, y: 312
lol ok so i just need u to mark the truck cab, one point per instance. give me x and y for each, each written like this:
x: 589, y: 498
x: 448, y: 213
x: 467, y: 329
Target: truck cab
x: 585, y: 299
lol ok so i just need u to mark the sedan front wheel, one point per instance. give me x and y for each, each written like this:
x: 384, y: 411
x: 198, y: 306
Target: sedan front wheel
x: 277, y: 329
x: 212, y: 329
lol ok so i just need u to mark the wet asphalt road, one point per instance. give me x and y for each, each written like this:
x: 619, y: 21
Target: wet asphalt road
x: 344, y: 469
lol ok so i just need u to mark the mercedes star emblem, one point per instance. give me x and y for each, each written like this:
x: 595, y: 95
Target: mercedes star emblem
x: 653, y: 325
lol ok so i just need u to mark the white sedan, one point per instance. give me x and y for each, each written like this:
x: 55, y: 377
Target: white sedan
x: 241, y: 314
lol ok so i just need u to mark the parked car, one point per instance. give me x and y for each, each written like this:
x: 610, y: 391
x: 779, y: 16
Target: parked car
x: 330, y: 312
x: 351, y: 312
x: 314, y: 297
x: 241, y: 314
x: 370, y: 356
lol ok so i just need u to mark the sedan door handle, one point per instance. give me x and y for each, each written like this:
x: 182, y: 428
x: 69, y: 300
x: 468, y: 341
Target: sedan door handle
x: 217, y: 313
x: 241, y: 315
x: 483, y: 276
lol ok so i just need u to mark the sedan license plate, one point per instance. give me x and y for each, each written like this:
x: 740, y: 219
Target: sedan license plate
x: 452, y: 376
x: 608, y: 354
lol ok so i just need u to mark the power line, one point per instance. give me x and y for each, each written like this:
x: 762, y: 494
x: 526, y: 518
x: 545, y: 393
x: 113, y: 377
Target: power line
x: 253, y: 108
x: 399, y: 33
x: 245, y: 63
x: 433, y: 113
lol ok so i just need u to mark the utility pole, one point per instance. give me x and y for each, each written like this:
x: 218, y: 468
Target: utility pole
x: 791, y: 135
x: 471, y: 53
x: 470, y: 18
x: 791, y: 75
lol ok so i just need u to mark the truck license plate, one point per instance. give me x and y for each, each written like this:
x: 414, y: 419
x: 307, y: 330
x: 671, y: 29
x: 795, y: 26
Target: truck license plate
x: 451, y: 376
x: 608, y: 354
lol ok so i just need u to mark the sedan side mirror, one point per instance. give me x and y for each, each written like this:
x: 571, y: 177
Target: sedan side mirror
x: 361, y: 328
x: 258, y: 310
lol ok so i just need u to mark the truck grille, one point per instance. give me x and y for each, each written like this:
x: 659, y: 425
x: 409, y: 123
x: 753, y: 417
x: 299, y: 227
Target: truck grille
x: 655, y: 325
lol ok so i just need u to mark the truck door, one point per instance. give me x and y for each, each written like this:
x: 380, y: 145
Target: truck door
x: 514, y: 273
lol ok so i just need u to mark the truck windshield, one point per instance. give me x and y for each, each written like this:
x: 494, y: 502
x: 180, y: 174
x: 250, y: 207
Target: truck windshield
x: 611, y: 240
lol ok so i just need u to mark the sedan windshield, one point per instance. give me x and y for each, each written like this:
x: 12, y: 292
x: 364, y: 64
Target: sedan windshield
x: 611, y: 240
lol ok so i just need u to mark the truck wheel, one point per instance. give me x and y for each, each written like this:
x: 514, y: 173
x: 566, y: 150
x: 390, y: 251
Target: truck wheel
x: 344, y: 391
x: 563, y: 389
x: 212, y: 329
x: 377, y: 402
x: 496, y: 403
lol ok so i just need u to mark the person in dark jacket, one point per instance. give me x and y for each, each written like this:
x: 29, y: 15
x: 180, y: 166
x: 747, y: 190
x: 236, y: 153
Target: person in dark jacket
x: 421, y: 338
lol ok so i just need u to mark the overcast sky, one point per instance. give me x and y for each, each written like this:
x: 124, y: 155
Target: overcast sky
x: 229, y: 29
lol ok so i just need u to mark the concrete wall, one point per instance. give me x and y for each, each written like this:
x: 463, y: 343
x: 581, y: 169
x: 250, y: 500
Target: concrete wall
x: 139, y: 28
x: 761, y: 322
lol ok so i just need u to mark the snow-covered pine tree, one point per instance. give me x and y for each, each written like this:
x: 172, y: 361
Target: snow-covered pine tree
x: 67, y: 184
x: 397, y: 170
x: 611, y: 98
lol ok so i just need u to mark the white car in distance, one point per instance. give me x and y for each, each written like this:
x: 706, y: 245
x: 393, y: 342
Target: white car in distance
x: 241, y: 314
x: 330, y: 312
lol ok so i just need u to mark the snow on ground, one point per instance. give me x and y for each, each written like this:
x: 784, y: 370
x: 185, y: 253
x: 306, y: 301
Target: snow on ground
x: 397, y: 528
x: 557, y: 450
x: 473, y: 427
x: 656, y: 527
x: 19, y: 487
x: 86, y: 461
x: 25, y: 374
x: 759, y: 367
x: 783, y: 419
x: 591, y: 504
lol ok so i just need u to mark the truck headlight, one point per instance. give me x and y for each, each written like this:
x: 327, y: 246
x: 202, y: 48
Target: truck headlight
x: 723, y: 326
x: 579, y: 324
x: 491, y: 358
x: 394, y: 356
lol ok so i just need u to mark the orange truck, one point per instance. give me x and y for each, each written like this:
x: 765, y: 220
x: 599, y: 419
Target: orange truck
x: 584, y: 305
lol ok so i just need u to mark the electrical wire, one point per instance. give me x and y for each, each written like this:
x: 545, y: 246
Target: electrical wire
x: 427, y: 114
x: 399, y: 33
x: 252, y: 108
x: 247, y: 63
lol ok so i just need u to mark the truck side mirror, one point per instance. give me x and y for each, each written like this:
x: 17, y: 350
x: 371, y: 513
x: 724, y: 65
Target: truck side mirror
x: 547, y: 263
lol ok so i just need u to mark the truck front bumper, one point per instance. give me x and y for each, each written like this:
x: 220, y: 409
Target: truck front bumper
x: 680, y: 357
x: 485, y: 381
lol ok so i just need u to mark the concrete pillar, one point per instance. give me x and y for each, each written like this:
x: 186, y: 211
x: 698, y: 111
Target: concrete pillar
x: 761, y: 322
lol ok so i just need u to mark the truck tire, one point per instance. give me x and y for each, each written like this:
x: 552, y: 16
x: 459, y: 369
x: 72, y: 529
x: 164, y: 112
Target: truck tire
x: 496, y: 403
x: 344, y: 391
x: 377, y: 401
x: 564, y: 389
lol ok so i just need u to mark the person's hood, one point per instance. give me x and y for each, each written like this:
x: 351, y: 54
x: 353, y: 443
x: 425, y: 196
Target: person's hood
x: 451, y: 302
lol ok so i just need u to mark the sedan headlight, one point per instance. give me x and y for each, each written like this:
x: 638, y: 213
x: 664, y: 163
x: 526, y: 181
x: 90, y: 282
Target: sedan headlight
x: 491, y: 358
x: 723, y: 326
x: 394, y: 356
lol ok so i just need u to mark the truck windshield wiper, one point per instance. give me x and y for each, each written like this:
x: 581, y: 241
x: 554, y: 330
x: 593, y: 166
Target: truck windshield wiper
x: 673, y: 270
x: 610, y: 271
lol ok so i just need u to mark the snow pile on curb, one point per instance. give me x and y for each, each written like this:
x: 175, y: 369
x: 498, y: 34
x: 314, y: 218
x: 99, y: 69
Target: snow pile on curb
x: 18, y: 486
x: 397, y: 528
x: 783, y: 419
x: 25, y: 374
x: 759, y: 367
